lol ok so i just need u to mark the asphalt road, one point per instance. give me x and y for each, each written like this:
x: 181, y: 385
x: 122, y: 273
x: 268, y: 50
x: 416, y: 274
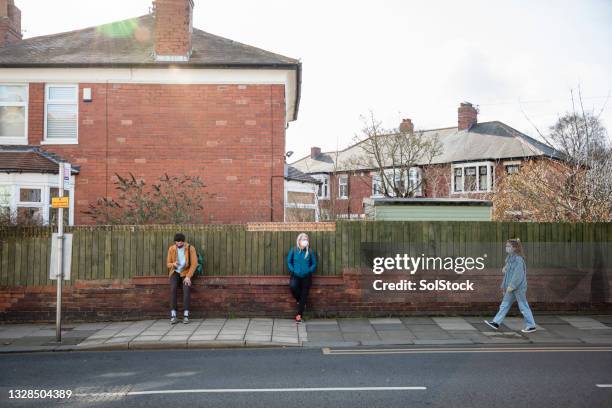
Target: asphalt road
x: 256, y: 378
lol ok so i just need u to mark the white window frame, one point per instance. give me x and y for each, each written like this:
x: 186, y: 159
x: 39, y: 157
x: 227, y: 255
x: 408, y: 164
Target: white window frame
x: 44, y: 182
x: 324, y: 179
x: 390, y: 174
x: 341, y: 184
x: 490, y: 170
x: 511, y: 163
x: 54, y: 141
x: 10, y: 140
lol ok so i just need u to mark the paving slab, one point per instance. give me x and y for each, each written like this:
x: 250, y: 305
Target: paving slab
x: 585, y: 322
x: 517, y: 324
x: 409, y: 321
x: 453, y: 323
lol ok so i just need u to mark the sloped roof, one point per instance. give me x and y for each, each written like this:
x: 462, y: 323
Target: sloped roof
x: 30, y: 159
x: 483, y: 141
x: 131, y: 42
x: 296, y: 175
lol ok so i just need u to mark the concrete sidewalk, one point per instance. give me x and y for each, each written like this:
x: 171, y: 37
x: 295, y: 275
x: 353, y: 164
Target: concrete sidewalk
x: 268, y: 332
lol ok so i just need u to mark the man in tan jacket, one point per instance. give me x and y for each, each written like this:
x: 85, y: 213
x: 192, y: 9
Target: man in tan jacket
x: 182, y: 262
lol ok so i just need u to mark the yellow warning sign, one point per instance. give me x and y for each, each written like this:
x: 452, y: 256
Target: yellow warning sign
x: 60, y: 202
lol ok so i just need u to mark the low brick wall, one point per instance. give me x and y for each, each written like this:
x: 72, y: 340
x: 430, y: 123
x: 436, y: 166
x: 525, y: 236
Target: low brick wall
x: 233, y: 296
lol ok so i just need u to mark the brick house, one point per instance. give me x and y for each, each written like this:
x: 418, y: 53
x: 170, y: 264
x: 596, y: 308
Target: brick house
x: 473, y: 156
x: 149, y: 95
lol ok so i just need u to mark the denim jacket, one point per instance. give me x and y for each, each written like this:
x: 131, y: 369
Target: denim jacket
x: 515, y: 273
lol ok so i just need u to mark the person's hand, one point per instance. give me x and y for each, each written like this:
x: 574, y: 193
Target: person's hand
x: 187, y: 281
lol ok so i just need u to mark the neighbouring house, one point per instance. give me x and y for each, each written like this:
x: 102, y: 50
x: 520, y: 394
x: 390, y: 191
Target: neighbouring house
x: 301, y: 201
x: 147, y: 96
x: 473, y: 157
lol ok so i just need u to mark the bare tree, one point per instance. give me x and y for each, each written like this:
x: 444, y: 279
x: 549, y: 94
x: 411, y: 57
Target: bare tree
x: 574, y: 184
x: 173, y: 200
x: 395, y: 156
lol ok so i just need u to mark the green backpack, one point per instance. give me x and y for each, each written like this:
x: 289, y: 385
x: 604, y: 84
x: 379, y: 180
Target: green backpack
x: 200, y: 268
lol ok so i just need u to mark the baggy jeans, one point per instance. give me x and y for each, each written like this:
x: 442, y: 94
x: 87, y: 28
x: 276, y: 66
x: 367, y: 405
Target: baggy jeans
x: 300, y: 288
x: 521, y: 297
x: 175, y: 278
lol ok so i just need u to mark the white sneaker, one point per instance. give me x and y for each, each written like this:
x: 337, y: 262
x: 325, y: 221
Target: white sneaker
x: 173, y: 320
x: 528, y: 329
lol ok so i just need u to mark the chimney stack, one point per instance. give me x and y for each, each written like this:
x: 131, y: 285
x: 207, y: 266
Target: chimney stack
x: 10, y: 22
x: 406, y: 126
x: 173, y: 29
x: 467, y: 116
x: 315, y: 152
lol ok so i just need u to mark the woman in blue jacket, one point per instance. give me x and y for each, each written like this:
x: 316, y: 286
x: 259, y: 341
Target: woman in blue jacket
x: 514, y: 287
x: 302, y: 263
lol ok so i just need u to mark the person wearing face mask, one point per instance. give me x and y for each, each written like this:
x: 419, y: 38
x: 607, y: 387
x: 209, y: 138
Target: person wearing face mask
x: 180, y: 269
x: 514, y: 287
x: 301, y: 262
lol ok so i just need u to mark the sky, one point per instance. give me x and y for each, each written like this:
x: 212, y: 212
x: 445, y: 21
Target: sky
x: 517, y: 60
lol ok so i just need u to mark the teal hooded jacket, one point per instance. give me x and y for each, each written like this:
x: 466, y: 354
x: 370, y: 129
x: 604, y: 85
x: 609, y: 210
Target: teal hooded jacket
x: 300, y: 264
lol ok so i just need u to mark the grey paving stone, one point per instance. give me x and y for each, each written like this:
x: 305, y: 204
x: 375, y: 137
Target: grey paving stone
x: 325, y: 336
x: 453, y: 323
x: 319, y: 344
x: 360, y: 337
x: 443, y: 341
x: 585, y: 322
x: 606, y: 319
x: 396, y: 335
x: 429, y: 332
x: 321, y: 327
x: 398, y: 342
x: 385, y: 320
x: 385, y: 327
x: 417, y: 320
x: 549, y: 319
x: 326, y: 322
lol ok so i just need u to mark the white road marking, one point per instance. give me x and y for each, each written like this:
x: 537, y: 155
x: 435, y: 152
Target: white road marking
x: 604, y: 385
x: 329, y: 351
x: 245, y: 390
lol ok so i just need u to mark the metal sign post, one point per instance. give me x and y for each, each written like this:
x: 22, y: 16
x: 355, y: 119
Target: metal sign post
x: 60, y: 257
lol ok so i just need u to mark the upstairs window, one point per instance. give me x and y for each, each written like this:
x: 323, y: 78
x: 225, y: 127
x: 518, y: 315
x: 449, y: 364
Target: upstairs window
x: 61, y: 114
x: 472, y: 177
x: 323, y: 191
x: 13, y: 114
x: 343, y: 187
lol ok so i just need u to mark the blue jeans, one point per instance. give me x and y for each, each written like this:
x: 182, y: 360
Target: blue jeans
x: 509, y: 297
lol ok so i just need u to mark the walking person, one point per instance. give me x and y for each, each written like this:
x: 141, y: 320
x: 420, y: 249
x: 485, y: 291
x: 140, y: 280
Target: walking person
x: 514, y: 287
x: 182, y: 262
x: 302, y: 263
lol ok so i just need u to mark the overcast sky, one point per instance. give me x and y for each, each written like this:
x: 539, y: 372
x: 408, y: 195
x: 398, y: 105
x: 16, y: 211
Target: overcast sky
x: 401, y: 59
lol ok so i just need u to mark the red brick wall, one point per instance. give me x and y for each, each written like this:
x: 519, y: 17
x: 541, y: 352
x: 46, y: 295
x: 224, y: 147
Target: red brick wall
x: 233, y: 136
x: 148, y: 297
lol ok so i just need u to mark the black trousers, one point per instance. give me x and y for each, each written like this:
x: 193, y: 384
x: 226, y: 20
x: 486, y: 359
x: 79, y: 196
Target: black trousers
x: 175, y: 282
x: 300, y: 288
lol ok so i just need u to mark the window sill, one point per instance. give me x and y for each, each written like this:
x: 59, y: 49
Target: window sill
x: 343, y: 198
x: 60, y: 142
x: 323, y: 198
x: 13, y: 140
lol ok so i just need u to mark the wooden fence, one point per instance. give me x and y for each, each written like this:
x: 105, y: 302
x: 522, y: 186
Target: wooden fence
x: 121, y: 252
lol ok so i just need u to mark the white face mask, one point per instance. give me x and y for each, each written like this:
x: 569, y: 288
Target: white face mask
x: 304, y: 243
x: 509, y: 249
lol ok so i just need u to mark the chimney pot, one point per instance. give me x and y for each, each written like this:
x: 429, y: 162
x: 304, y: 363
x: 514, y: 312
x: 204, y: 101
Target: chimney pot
x: 315, y: 152
x: 406, y: 126
x: 467, y: 116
